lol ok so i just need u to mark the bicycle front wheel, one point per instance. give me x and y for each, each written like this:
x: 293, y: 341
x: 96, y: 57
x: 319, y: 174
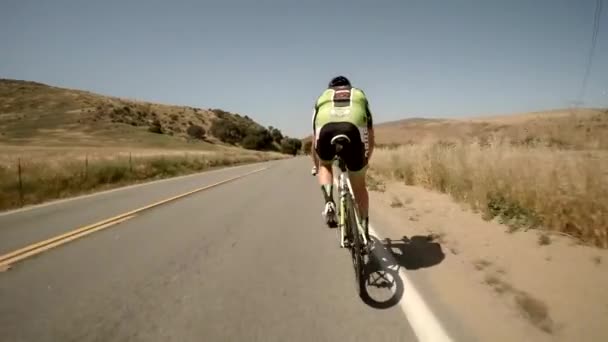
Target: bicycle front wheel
x: 356, y: 245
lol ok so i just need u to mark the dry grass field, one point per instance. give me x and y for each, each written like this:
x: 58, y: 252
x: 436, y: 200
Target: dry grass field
x: 539, y: 170
x: 565, y: 129
x: 34, y: 175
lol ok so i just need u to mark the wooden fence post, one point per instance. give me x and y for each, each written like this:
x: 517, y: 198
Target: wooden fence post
x: 19, y: 171
x: 86, y: 167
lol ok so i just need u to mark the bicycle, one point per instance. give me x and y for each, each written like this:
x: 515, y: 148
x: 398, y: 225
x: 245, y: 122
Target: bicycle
x: 349, y: 222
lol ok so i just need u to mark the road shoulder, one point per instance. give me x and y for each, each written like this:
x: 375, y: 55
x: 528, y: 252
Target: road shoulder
x: 490, y: 283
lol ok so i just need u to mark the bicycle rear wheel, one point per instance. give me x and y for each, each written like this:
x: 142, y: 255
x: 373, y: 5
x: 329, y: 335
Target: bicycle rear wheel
x: 356, y: 245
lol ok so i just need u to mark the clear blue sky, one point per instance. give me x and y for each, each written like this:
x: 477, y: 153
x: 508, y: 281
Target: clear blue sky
x: 271, y: 59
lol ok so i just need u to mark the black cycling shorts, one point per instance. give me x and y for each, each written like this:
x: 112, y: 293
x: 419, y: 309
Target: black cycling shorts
x: 353, y: 154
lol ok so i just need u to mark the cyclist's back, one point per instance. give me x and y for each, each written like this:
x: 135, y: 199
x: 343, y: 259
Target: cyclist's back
x: 343, y: 109
x: 342, y: 104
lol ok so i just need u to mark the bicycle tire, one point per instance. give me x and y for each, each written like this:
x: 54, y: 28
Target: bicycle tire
x: 341, y: 218
x: 356, y: 245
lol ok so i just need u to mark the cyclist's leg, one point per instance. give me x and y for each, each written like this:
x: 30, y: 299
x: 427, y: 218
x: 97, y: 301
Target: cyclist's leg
x: 326, y: 179
x: 325, y: 155
x: 315, y: 161
x: 357, y: 164
x: 357, y: 181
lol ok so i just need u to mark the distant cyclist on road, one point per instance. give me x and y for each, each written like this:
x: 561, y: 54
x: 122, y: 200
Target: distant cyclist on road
x: 342, y: 109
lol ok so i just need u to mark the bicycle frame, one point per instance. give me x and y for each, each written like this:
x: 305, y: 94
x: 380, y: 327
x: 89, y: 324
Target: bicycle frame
x: 359, y: 240
x: 346, y: 189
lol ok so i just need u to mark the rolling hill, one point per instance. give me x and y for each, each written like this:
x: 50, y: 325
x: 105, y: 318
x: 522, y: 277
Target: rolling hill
x: 37, y: 114
x: 59, y: 142
x: 585, y: 128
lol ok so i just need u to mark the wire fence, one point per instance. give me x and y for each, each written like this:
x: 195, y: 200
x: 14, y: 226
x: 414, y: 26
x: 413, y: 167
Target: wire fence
x: 28, y: 180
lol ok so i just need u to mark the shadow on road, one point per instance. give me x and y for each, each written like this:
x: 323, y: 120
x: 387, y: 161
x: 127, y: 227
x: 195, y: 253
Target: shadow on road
x: 384, y: 287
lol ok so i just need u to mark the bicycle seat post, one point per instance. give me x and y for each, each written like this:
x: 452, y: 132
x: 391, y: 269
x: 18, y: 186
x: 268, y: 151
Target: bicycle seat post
x: 341, y: 164
x: 338, y: 143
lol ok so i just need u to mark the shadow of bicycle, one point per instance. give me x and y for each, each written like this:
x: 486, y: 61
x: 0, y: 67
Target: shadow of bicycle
x: 383, y: 285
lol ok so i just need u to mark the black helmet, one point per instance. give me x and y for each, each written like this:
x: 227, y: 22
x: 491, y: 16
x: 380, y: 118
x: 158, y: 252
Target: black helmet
x: 339, y: 81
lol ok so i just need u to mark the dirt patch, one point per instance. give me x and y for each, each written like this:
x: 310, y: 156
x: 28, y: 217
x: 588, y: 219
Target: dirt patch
x: 375, y: 184
x: 532, y: 309
x: 544, y: 239
x: 535, y: 311
x: 481, y: 264
x: 436, y: 236
x: 498, y: 284
x: 396, y: 203
x: 454, y: 250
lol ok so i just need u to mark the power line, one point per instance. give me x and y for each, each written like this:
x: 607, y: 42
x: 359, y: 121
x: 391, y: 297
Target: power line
x: 596, y: 28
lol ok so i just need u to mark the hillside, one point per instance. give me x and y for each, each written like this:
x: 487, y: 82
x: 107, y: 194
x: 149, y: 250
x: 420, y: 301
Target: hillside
x: 585, y: 128
x: 59, y: 142
x: 569, y: 129
x: 32, y: 113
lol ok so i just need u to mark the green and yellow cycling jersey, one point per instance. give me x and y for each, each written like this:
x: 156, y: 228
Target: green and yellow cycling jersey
x: 342, y: 104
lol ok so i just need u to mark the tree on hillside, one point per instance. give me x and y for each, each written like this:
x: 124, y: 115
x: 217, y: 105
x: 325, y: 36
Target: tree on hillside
x: 308, y: 147
x: 291, y: 146
x: 234, y: 129
x: 196, y: 132
x: 258, y: 139
x: 222, y: 114
x: 156, y: 127
x: 227, y: 131
x: 276, y: 134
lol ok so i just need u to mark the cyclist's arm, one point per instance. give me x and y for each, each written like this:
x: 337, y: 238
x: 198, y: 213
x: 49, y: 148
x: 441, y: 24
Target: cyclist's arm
x: 313, y: 150
x: 370, y: 130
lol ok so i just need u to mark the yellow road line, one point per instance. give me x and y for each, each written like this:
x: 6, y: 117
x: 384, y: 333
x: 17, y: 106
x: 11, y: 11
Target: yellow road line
x: 42, y: 246
x: 4, y: 265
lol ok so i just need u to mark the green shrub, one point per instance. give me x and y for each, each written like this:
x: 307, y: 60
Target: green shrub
x: 227, y: 131
x: 258, y: 139
x: 156, y: 127
x: 196, y: 131
x: 291, y: 146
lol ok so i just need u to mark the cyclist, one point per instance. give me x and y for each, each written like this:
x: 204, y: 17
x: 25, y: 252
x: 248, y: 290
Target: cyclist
x: 342, y: 109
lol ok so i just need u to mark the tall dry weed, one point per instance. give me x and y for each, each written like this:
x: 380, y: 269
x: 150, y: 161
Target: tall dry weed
x: 52, y: 177
x: 544, y: 187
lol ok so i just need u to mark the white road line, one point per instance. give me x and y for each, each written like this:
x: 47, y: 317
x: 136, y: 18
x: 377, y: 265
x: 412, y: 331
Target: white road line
x: 170, y: 179
x: 425, y: 324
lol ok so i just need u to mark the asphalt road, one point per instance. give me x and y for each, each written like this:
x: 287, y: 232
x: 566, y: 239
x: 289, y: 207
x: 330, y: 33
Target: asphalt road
x: 249, y: 260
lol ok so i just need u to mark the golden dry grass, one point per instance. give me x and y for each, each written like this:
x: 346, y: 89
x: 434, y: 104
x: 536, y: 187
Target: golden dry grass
x: 543, y: 187
x: 52, y: 173
x: 566, y: 129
